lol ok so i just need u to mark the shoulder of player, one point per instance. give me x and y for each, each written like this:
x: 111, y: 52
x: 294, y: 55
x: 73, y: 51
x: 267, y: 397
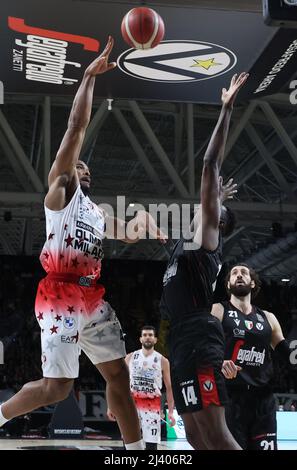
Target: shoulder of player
x: 164, y: 361
x: 270, y: 317
x: 218, y: 311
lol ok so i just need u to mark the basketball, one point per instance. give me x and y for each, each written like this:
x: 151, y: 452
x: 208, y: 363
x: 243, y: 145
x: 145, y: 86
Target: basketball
x: 142, y: 28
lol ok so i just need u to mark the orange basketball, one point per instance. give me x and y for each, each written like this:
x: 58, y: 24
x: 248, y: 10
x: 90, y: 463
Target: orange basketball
x: 142, y: 28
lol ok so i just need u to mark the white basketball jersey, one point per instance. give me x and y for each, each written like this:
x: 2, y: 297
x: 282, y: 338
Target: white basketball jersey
x: 74, y: 238
x: 145, y: 374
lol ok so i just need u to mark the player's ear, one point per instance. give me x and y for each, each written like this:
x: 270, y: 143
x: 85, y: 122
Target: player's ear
x: 253, y: 285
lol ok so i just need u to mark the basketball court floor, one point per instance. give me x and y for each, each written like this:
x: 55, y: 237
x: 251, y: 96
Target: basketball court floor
x: 76, y: 444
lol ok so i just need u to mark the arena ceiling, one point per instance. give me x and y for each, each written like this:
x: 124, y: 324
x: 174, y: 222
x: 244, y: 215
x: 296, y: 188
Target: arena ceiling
x: 152, y: 152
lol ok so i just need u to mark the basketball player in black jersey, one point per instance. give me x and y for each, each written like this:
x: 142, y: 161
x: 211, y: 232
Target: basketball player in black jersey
x: 196, y: 337
x: 249, y: 335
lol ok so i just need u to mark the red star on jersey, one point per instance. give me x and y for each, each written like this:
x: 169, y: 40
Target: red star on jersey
x: 40, y: 316
x: 51, y: 236
x: 74, y: 262
x: 69, y: 240
x: 70, y: 309
x: 54, y: 329
x: 46, y: 255
x: 58, y: 318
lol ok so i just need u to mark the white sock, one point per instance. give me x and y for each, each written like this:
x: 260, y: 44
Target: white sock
x: 139, y: 445
x: 2, y: 419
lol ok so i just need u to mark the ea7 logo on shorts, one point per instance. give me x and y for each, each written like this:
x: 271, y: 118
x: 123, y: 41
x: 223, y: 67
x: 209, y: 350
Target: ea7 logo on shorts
x: 178, y: 62
x: 208, y: 385
x: 69, y: 339
x: 69, y: 322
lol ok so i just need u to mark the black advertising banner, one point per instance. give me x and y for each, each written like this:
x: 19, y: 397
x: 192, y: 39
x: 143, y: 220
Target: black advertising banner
x: 45, y: 47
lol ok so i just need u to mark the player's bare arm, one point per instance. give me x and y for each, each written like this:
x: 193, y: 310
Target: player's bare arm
x: 277, y: 334
x: 63, y: 177
x: 169, y: 394
x: 208, y: 230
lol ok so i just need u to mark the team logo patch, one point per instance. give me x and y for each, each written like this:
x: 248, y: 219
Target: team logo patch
x: 69, y: 322
x: 238, y: 333
x: 260, y: 318
x: 178, y: 62
x: 249, y: 324
x: 259, y: 326
x: 208, y: 385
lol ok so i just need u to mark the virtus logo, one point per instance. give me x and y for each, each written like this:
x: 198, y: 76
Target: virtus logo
x: 1, y: 353
x: 178, y: 62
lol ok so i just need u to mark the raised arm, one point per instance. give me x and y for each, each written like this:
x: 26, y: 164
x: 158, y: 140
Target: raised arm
x: 169, y: 394
x: 208, y: 230
x: 63, y: 179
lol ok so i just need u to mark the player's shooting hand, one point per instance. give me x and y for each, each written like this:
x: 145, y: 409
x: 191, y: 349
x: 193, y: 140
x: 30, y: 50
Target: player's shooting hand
x: 102, y: 64
x: 229, y: 369
x: 237, y: 82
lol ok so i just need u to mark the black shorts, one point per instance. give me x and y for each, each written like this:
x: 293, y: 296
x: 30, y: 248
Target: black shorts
x: 251, y: 417
x: 196, y: 357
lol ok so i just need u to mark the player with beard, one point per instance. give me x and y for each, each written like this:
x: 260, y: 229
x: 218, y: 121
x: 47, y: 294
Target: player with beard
x: 148, y: 369
x: 249, y: 333
x: 70, y: 308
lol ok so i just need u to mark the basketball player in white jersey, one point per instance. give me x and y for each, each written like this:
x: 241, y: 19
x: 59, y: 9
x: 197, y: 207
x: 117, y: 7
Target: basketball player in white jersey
x: 69, y: 305
x: 148, y: 369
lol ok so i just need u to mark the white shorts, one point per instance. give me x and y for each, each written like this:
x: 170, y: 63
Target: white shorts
x: 150, y: 423
x: 66, y: 329
x: 149, y: 413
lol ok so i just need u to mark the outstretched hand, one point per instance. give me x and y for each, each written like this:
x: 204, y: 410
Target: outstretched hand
x: 101, y: 64
x: 228, y: 190
x: 237, y: 82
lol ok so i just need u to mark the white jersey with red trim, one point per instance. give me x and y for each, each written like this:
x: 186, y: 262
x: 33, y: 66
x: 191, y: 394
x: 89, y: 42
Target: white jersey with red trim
x: 74, y: 238
x: 145, y: 374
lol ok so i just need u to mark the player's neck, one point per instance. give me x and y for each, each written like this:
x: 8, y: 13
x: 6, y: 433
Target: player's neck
x: 147, y: 352
x: 242, y: 303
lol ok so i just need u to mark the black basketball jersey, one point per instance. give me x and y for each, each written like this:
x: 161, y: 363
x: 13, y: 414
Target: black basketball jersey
x: 248, y: 339
x: 189, y: 281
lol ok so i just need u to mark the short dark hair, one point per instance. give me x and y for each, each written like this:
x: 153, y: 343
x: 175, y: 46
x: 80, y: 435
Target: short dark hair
x: 148, y: 327
x: 254, y: 277
x: 229, y: 222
